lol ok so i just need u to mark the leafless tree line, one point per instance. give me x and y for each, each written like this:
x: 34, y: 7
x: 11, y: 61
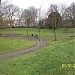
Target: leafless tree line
x: 31, y: 14
x: 8, y: 11
x: 67, y: 14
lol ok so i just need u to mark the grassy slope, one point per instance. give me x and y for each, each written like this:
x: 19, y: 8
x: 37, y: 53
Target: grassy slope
x: 46, y: 61
x: 44, y: 32
x: 12, y: 44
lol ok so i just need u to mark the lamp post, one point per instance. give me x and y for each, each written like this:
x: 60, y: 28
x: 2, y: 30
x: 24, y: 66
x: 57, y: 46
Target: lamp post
x: 0, y: 2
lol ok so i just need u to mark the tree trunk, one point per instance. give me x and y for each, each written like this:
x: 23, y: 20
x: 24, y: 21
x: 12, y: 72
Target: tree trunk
x: 55, y: 30
x: 11, y: 23
x: 55, y: 34
x: 39, y: 32
x: 27, y: 32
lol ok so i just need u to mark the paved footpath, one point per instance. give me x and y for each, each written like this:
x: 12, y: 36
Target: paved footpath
x: 39, y: 44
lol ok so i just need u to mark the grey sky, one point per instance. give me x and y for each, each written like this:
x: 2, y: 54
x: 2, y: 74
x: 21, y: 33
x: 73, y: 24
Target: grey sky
x: 40, y: 3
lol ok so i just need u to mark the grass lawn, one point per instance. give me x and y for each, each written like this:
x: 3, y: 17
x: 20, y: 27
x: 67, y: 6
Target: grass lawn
x: 43, y: 32
x: 46, y: 61
x: 13, y: 44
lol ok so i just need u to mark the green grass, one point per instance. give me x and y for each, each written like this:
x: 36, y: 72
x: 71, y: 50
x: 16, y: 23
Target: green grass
x: 13, y: 44
x: 43, y: 32
x: 46, y: 61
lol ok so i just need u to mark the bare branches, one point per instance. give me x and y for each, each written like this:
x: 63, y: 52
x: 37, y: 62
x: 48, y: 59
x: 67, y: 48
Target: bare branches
x: 30, y: 16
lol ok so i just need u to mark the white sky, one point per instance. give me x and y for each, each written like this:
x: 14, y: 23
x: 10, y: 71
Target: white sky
x: 44, y: 4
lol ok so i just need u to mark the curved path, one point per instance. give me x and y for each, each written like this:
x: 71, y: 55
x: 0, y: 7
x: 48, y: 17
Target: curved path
x: 39, y: 44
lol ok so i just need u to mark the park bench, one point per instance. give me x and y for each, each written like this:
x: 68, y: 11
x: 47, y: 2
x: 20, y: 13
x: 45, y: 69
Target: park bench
x: 36, y: 36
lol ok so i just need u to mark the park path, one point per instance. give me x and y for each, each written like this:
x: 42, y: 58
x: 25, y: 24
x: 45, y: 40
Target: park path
x: 39, y: 44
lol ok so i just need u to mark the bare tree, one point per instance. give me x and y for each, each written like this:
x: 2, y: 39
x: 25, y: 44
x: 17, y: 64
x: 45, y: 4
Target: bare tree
x: 68, y: 16
x: 1, y: 18
x: 62, y: 10
x: 18, y: 14
x: 39, y: 17
x: 53, y: 18
x: 11, y: 11
x: 30, y: 16
x: 72, y: 9
x: 25, y: 16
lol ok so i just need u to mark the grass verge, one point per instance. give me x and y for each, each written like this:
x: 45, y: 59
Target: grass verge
x: 47, y: 61
x: 13, y: 44
x: 43, y: 32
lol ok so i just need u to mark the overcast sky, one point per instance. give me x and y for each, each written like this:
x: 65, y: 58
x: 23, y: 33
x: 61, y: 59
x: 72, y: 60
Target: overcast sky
x: 44, y: 4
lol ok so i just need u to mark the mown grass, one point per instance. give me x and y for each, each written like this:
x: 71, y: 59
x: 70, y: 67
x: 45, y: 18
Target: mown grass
x: 43, y: 32
x: 13, y: 44
x: 46, y: 61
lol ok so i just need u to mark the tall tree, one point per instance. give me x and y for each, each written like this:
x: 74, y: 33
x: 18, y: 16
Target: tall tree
x: 30, y: 15
x: 54, y: 18
x: 72, y: 9
x: 18, y: 15
x: 62, y: 10
x: 69, y: 16
x: 33, y: 14
x: 24, y: 19
x: 11, y: 10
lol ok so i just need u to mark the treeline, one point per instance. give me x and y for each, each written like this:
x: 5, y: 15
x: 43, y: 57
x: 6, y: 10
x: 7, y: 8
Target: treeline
x: 55, y: 17
x: 9, y: 14
x: 60, y: 16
